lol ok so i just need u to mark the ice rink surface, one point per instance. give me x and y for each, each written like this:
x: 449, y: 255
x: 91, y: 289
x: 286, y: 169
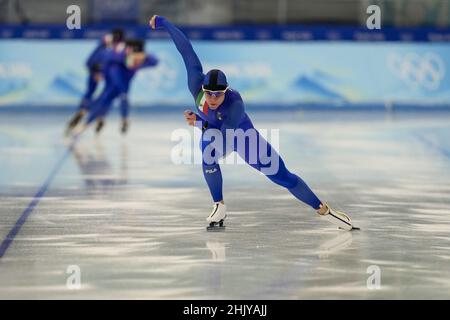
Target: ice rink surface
x: 133, y: 222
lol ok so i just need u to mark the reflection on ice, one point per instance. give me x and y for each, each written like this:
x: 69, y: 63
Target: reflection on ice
x: 96, y: 168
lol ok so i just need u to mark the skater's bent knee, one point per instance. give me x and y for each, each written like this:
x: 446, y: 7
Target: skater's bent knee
x: 287, y: 180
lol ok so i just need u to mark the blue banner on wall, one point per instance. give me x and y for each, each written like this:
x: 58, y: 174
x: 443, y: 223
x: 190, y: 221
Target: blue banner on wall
x: 282, y: 74
x: 232, y: 33
x: 114, y: 11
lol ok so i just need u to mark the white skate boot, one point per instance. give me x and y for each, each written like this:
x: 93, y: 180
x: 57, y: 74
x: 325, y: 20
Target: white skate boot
x: 336, y: 217
x: 215, y: 219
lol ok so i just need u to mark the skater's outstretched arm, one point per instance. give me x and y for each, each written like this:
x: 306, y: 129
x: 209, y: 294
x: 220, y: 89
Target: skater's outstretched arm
x: 150, y: 61
x: 193, y: 65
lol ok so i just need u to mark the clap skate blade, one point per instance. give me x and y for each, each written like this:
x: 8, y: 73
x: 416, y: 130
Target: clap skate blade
x: 353, y: 228
x: 216, y: 226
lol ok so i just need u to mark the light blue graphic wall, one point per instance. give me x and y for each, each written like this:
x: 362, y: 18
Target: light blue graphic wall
x: 338, y: 74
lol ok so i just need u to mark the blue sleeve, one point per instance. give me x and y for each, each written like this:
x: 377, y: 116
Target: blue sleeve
x: 234, y: 115
x: 193, y: 65
x: 95, y: 56
x: 199, y: 122
x: 150, y: 61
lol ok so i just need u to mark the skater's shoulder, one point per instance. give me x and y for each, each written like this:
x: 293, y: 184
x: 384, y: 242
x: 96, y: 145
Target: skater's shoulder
x: 112, y: 56
x: 233, y: 94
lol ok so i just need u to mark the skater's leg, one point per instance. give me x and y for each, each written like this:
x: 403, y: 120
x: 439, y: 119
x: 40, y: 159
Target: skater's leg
x: 124, y: 106
x: 124, y: 112
x: 211, y: 168
x: 281, y: 175
x: 92, y: 83
x: 300, y: 189
x: 102, y: 105
x: 213, y: 178
x: 84, y: 104
x: 99, y: 109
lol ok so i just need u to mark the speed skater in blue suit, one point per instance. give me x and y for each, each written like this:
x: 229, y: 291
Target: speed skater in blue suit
x: 119, y: 69
x: 113, y: 41
x: 220, y: 109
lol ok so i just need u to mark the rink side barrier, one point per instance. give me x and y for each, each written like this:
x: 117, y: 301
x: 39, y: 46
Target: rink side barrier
x: 45, y: 66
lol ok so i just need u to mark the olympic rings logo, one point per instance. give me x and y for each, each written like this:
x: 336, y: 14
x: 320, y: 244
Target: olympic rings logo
x: 426, y: 71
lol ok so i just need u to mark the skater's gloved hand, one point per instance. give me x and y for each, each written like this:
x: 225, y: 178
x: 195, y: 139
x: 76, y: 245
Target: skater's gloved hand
x: 154, y: 23
x: 190, y: 117
x: 98, y: 76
